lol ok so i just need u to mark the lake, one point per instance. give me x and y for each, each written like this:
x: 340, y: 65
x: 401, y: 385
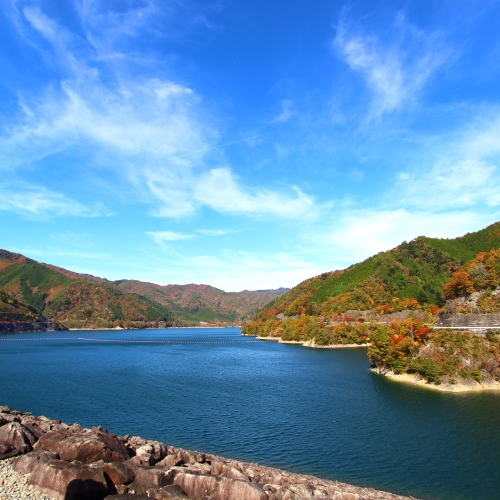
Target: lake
x: 312, y: 411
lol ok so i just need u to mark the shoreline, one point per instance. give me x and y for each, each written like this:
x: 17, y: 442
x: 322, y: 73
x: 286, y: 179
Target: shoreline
x: 310, y: 343
x: 58, y: 459
x: 462, y: 387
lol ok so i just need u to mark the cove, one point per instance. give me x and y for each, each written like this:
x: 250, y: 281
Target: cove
x: 313, y: 411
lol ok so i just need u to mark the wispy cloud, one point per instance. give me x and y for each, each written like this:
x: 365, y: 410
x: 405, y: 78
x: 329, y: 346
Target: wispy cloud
x: 216, y: 232
x: 153, y: 134
x: 396, y: 71
x: 161, y: 236
x: 459, y: 171
x: 219, y: 189
x: 286, y: 111
x: 38, y: 202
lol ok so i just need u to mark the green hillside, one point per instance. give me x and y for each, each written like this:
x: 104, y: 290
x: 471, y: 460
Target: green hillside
x: 410, y: 276
x: 76, y: 302
x: 13, y: 310
x: 80, y: 300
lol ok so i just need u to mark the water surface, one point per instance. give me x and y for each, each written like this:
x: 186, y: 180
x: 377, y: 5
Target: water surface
x: 314, y: 411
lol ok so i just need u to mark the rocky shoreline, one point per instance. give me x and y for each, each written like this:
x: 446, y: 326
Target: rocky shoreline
x: 44, y: 459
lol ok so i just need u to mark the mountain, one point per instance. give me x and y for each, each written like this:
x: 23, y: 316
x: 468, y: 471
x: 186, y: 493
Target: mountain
x: 76, y: 301
x: 410, y: 276
x: 203, y: 302
x: 80, y: 300
x: 13, y: 310
x: 461, y: 273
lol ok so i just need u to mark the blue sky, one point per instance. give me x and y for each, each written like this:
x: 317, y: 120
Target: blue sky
x: 245, y: 145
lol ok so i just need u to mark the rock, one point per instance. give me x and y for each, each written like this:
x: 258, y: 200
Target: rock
x: 66, y: 481
x: 4, y: 447
x: 148, y: 477
x: 171, y: 492
x: 221, y: 469
x: 10, y: 454
x: 188, y: 457
x: 128, y: 496
x: 26, y: 463
x: 197, y: 486
x: 118, y: 473
x: 145, y: 460
x: 229, y: 489
x: 202, y: 468
x: 17, y: 436
x: 170, y: 461
x: 84, y: 446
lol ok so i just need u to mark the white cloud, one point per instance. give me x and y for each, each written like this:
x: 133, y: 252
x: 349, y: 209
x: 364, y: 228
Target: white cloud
x: 220, y: 190
x: 216, y: 232
x: 152, y: 134
x: 458, y: 172
x: 162, y: 236
x: 395, y: 71
x: 359, y: 234
x: 38, y: 202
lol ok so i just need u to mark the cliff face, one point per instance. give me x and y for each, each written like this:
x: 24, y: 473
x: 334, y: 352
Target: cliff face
x: 69, y: 462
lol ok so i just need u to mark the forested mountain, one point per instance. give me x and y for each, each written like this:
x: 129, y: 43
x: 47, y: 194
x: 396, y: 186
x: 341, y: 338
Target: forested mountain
x: 203, y: 302
x: 79, y: 300
x: 462, y: 273
x: 410, y: 276
x: 13, y: 310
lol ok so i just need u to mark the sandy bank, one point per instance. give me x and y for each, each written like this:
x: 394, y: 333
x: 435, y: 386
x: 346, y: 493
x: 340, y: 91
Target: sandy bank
x: 310, y: 343
x: 462, y: 386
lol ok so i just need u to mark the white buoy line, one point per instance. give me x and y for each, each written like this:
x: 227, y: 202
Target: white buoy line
x: 124, y: 341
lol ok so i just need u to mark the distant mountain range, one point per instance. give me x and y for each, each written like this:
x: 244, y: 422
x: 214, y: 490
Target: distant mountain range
x: 32, y: 290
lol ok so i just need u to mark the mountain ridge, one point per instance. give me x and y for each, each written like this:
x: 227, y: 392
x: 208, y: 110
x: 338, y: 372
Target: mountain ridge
x: 82, y: 300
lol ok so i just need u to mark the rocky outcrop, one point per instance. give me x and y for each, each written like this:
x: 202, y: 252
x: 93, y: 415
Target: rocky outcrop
x: 68, y: 462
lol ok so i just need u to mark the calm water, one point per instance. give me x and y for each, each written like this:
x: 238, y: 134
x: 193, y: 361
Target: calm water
x: 314, y: 411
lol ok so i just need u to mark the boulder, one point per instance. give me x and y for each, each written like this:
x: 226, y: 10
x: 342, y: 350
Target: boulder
x: 229, y: 489
x: 66, y: 481
x: 9, y: 454
x: 84, y: 446
x: 187, y: 456
x: 148, y: 477
x: 26, y: 463
x: 171, y: 492
x: 197, y: 487
x: 170, y: 461
x: 128, y: 496
x: 221, y: 469
x: 17, y: 436
x: 117, y: 472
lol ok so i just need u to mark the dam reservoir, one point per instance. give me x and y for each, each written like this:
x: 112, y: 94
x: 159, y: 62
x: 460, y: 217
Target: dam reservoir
x: 313, y: 411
